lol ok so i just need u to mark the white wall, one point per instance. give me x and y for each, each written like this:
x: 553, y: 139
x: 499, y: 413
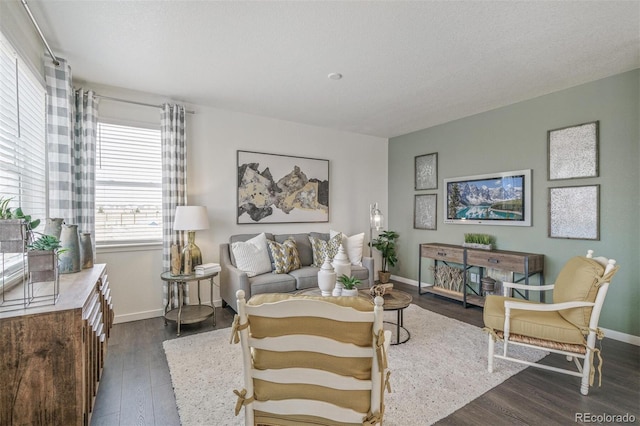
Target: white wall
x: 357, y: 175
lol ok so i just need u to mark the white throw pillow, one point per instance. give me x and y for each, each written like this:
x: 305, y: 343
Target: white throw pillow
x: 353, y: 245
x: 252, y: 256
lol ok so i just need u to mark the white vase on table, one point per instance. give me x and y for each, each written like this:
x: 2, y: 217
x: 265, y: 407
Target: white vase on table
x: 326, y: 278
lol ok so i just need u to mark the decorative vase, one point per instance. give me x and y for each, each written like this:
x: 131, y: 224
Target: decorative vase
x: 350, y: 292
x: 326, y: 278
x: 176, y: 262
x: 86, y: 250
x: 53, y: 226
x: 341, y: 263
x: 69, y: 260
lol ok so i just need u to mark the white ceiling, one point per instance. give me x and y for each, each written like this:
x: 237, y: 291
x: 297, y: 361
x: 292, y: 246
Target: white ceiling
x: 406, y: 65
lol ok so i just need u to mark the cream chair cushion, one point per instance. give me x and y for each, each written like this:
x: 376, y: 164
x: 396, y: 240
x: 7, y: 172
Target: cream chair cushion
x: 540, y: 325
x: 578, y: 282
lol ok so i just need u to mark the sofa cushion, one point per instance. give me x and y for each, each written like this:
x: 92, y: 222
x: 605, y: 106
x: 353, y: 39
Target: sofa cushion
x: 243, y: 238
x: 353, y: 246
x: 285, y: 256
x: 322, y: 249
x: 306, y: 277
x: 252, y: 256
x: 302, y: 243
x: 361, y: 273
x: 272, y: 283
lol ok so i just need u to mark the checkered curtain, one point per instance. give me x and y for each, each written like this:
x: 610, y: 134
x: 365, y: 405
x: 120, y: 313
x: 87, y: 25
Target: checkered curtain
x: 84, y: 161
x: 174, y: 183
x: 60, y: 100
x: 72, y: 121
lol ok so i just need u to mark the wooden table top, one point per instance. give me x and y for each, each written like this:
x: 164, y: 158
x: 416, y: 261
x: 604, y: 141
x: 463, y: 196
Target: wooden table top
x: 393, y: 299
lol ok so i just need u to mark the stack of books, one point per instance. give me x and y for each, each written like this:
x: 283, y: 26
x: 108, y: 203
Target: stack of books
x: 207, y: 268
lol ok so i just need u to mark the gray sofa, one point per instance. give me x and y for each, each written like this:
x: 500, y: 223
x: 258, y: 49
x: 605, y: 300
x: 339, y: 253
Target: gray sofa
x: 232, y: 279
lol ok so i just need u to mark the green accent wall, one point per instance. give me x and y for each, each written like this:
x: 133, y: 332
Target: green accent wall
x: 515, y: 138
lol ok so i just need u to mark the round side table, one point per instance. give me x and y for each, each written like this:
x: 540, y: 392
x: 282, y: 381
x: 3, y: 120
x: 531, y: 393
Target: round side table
x: 188, y: 314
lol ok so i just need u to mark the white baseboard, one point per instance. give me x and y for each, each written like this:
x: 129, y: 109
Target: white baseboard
x: 612, y: 334
x: 622, y: 337
x: 137, y: 316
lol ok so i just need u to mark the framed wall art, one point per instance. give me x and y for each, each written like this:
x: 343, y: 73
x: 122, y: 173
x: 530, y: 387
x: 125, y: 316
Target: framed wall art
x: 491, y: 199
x: 426, y: 171
x: 573, y: 152
x: 275, y: 188
x: 574, y: 212
x: 425, y: 211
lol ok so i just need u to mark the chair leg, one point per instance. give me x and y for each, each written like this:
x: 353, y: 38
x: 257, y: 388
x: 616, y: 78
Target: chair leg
x: 490, y: 354
x: 586, y: 371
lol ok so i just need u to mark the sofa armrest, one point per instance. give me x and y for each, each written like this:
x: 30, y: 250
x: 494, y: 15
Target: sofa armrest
x: 367, y: 262
x: 231, y: 278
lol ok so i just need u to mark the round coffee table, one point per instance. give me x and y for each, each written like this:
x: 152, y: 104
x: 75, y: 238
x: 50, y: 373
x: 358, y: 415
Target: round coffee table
x: 394, y: 300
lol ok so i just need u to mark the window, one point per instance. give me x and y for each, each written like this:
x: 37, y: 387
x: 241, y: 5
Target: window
x: 22, y: 141
x: 128, y: 185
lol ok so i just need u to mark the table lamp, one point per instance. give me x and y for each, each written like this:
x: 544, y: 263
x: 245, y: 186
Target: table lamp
x: 191, y: 219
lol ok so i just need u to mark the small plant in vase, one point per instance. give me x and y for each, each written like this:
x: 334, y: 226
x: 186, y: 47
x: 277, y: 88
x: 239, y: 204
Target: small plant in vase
x: 479, y: 241
x: 349, y: 285
x: 43, y: 258
x: 16, y: 228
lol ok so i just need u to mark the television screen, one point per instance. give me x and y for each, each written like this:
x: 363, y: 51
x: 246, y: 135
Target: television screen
x: 500, y: 198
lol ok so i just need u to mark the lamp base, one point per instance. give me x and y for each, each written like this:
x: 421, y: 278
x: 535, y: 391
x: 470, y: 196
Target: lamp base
x: 191, y: 255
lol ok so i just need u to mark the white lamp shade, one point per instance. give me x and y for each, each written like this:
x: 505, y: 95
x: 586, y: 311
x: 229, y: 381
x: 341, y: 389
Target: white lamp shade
x: 191, y: 218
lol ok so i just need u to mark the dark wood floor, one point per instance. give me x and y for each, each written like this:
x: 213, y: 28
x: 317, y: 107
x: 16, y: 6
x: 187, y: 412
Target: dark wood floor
x: 136, y: 385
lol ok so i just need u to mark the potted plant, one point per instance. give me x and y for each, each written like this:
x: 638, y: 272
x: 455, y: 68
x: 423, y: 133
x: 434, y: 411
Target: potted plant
x: 386, y: 245
x: 16, y: 228
x: 479, y: 241
x: 349, y: 285
x: 43, y: 258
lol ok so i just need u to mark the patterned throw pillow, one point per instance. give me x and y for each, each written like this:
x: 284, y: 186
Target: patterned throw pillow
x: 321, y: 249
x: 285, y: 256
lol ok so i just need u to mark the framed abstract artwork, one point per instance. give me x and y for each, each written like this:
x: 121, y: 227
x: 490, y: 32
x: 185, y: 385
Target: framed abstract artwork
x: 573, y: 152
x: 275, y: 188
x: 574, y: 212
x: 426, y: 171
x: 425, y: 211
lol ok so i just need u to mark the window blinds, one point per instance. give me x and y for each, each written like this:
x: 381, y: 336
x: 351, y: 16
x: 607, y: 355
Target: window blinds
x: 128, y: 185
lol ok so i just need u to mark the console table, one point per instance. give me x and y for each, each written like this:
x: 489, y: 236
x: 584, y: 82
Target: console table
x: 525, y: 265
x: 53, y: 355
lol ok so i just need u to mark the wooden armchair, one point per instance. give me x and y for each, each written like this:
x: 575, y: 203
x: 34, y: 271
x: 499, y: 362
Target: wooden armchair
x: 569, y: 326
x: 311, y: 360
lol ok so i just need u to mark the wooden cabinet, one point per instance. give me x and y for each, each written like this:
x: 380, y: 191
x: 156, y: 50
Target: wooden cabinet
x: 51, y: 357
x: 522, y: 265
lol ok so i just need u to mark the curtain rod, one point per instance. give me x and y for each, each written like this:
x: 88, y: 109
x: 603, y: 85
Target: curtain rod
x: 135, y: 102
x: 35, y: 24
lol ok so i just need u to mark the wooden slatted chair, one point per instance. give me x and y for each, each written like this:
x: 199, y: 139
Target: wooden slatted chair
x: 311, y: 360
x: 569, y: 326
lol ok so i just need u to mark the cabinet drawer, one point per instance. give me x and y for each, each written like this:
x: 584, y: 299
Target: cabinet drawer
x: 488, y: 259
x: 445, y: 253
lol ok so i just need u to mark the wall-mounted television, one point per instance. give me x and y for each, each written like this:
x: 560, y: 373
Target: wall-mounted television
x: 491, y: 199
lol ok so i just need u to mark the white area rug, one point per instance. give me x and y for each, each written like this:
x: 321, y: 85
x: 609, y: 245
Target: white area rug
x: 442, y: 368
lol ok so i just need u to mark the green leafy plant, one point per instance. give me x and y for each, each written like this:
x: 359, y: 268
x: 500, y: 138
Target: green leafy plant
x: 7, y: 213
x: 348, y: 283
x: 485, y: 239
x: 386, y: 245
x: 47, y: 242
